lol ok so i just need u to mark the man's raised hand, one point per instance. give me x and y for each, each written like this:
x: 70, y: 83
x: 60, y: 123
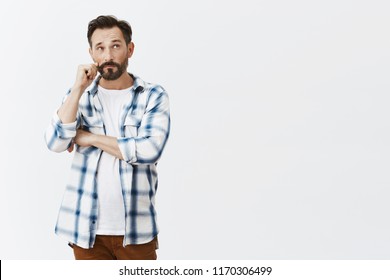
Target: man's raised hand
x: 86, y: 73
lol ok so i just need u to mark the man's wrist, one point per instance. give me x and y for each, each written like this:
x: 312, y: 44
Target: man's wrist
x: 77, y: 90
x: 93, y: 139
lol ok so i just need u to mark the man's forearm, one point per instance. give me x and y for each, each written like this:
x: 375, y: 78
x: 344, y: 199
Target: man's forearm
x: 68, y: 110
x: 85, y: 75
x: 108, y: 144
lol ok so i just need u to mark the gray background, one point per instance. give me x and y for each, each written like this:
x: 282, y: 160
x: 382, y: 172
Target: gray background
x: 280, y: 137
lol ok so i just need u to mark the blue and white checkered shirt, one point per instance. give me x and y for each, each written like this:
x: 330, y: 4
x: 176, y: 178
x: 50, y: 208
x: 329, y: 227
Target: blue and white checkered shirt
x: 144, y: 126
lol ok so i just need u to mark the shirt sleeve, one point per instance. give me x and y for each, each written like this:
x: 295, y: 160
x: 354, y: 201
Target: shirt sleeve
x: 58, y: 136
x: 153, y: 132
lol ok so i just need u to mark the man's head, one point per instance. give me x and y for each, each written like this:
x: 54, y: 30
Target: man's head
x: 110, y: 45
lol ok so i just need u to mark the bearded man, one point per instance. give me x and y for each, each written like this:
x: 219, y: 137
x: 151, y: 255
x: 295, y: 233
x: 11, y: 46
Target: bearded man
x: 117, y: 125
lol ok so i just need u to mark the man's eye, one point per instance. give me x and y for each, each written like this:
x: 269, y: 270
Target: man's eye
x: 116, y: 46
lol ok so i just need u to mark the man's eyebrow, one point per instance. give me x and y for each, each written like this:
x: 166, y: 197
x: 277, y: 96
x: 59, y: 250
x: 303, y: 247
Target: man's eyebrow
x: 98, y: 44
x: 112, y: 41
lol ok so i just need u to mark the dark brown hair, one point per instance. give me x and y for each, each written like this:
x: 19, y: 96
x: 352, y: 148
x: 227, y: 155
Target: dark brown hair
x: 102, y: 22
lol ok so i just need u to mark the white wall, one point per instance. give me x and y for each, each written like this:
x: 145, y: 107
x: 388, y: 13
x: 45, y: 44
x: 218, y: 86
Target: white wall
x: 280, y: 137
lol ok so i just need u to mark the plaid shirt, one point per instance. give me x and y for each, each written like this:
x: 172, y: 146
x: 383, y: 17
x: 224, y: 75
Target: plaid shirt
x: 144, y: 126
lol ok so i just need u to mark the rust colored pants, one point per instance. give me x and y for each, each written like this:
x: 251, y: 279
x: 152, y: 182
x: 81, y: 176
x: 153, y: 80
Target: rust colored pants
x: 110, y: 247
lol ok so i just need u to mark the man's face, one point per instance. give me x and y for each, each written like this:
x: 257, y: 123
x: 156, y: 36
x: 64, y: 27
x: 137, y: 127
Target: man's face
x: 110, y: 51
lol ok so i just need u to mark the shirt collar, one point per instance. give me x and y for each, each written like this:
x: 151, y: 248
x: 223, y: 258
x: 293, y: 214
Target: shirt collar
x: 138, y: 84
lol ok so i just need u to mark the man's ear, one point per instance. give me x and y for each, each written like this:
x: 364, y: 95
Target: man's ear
x: 130, y: 49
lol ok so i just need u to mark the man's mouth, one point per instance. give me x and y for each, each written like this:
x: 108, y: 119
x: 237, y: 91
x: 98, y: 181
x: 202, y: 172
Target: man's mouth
x: 109, y: 67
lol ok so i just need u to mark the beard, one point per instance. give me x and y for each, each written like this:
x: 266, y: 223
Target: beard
x: 111, y: 74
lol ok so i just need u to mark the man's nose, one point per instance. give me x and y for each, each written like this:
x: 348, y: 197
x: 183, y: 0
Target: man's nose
x: 107, y: 56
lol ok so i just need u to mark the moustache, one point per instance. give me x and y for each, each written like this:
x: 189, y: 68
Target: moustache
x: 110, y: 63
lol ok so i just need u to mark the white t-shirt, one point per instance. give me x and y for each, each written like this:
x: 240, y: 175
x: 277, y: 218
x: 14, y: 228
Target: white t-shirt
x: 111, y: 217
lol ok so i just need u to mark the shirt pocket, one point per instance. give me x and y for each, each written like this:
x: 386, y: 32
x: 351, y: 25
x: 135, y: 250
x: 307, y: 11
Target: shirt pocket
x: 132, y: 124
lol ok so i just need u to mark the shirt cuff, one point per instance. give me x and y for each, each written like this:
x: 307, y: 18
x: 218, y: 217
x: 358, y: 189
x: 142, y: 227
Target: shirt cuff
x: 127, y: 148
x: 67, y: 130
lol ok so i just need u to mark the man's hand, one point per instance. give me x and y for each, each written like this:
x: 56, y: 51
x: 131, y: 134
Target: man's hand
x: 85, y: 75
x: 83, y: 139
x: 71, y: 147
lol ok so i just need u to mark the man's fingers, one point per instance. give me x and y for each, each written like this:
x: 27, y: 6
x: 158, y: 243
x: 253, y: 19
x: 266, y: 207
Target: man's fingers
x: 92, y: 71
x: 86, y: 73
x: 71, y: 147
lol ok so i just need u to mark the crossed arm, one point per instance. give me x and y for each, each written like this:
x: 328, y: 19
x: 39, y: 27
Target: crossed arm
x: 108, y: 144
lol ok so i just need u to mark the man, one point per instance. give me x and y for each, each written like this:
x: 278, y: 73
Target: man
x: 118, y: 128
